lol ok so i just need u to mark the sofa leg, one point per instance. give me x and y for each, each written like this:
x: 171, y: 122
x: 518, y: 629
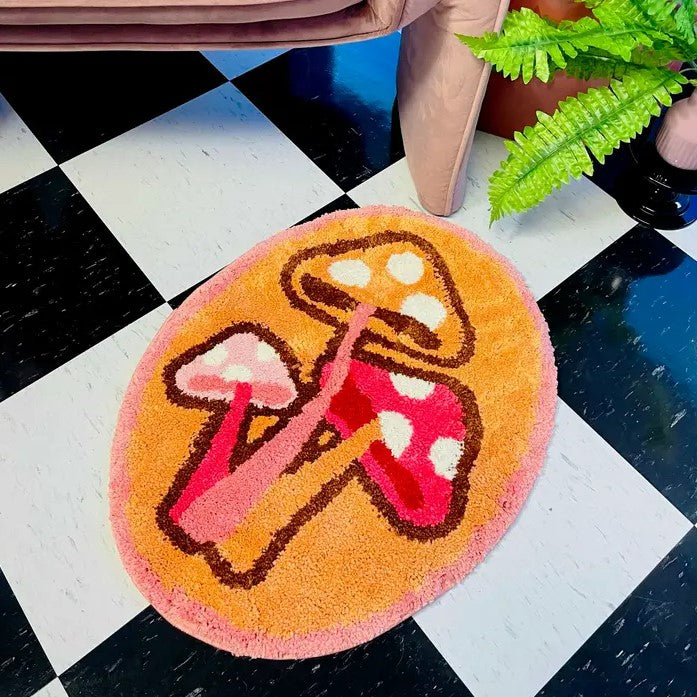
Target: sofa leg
x: 440, y: 87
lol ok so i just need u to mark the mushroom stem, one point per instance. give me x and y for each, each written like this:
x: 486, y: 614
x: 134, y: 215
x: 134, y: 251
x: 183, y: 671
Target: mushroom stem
x: 215, y: 464
x: 292, y: 496
x: 216, y: 513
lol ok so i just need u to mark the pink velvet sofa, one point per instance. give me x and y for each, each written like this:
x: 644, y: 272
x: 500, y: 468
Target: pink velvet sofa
x: 440, y: 85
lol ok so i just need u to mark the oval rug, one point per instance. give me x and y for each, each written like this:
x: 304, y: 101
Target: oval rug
x: 330, y: 433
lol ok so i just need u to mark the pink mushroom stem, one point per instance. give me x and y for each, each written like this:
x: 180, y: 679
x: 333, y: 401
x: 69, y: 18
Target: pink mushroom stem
x: 215, y: 514
x: 215, y: 464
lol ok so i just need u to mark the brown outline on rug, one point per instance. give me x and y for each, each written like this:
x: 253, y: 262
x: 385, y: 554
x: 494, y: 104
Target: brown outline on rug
x: 334, y: 297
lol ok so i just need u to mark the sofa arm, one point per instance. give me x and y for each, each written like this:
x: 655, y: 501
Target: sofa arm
x: 440, y: 87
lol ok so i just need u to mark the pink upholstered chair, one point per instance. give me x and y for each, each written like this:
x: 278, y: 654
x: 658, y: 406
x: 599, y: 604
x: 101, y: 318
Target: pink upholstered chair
x: 440, y: 85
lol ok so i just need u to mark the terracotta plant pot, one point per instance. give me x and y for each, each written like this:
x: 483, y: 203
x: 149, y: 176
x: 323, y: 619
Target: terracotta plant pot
x: 511, y: 105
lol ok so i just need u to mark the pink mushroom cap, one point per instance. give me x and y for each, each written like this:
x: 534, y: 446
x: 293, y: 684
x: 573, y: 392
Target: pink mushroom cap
x: 242, y: 358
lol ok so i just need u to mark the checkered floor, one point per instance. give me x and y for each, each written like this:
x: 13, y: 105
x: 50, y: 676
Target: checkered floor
x: 126, y: 180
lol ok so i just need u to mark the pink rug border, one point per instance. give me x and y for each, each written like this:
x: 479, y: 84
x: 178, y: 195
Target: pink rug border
x: 199, y: 620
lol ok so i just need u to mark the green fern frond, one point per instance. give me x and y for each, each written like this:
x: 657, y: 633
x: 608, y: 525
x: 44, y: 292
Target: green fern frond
x: 652, y: 15
x: 685, y: 21
x: 599, y: 64
x: 655, y: 13
x: 545, y: 156
x: 532, y: 46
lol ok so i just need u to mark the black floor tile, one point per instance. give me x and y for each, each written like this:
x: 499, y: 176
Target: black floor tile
x: 335, y: 103
x: 24, y: 668
x: 74, y: 101
x: 648, y: 646
x: 66, y: 282
x: 624, y: 329
x: 150, y: 658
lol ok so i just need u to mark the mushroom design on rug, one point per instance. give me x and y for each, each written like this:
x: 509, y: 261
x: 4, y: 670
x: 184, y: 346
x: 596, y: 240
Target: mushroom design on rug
x: 330, y: 433
x: 409, y: 436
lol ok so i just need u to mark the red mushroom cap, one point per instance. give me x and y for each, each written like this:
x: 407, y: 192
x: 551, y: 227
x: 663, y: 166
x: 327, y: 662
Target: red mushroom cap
x: 422, y: 443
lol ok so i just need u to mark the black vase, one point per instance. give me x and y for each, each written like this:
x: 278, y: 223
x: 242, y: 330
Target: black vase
x: 651, y: 190
x: 654, y: 192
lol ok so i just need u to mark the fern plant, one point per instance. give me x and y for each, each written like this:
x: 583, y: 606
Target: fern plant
x: 628, y: 42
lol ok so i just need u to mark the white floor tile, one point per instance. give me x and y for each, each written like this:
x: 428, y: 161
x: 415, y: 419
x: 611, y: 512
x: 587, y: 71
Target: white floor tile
x: 53, y: 689
x: 591, y: 530
x: 21, y: 155
x: 686, y: 239
x: 60, y: 558
x: 193, y: 189
x: 547, y: 244
x: 234, y: 63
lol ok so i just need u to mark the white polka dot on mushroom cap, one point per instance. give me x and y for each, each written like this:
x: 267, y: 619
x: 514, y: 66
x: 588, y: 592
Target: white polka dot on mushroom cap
x: 396, y: 431
x: 407, y: 267
x: 409, y: 386
x: 237, y: 373
x: 424, y: 308
x: 350, y: 272
x: 445, y: 453
x: 216, y: 356
x: 266, y: 353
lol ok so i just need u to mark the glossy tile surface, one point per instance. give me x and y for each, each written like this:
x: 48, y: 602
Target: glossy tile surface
x: 55, y: 440
x: 190, y: 191
x: 576, y: 551
x: 53, y: 689
x: 235, y: 63
x: 647, y: 647
x: 21, y: 154
x: 400, y: 663
x: 66, y: 283
x: 624, y: 330
x: 24, y: 667
x: 546, y: 244
x: 686, y: 239
x: 74, y: 101
x: 335, y: 103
